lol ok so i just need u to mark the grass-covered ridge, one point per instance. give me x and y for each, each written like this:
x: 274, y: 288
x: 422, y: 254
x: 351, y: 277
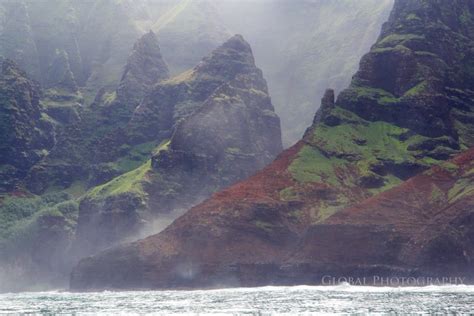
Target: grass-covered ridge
x: 130, y: 182
x: 346, y: 153
x: 313, y: 166
x: 135, y: 157
x: 398, y: 39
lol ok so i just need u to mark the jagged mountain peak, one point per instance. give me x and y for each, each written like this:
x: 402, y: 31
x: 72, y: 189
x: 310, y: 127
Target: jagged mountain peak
x: 419, y: 73
x: 145, y: 67
x: 150, y: 35
x: 146, y: 60
x: 228, y: 112
x: 214, y: 128
x: 232, y: 57
x: 409, y: 108
x: 157, y: 115
x: 59, y: 73
x: 237, y: 42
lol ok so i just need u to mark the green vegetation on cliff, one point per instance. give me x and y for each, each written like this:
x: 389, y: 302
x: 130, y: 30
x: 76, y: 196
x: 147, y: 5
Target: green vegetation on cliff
x: 318, y: 207
x: 399, y: 116
x: 355, y: 149
x: 130, y: 182
x: 313, y: 166
x: 22, y: 218
x: 304, y: 47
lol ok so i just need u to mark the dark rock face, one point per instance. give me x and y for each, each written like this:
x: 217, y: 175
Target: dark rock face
x: 327, y: 104
x: 59, y: 73
x: 325, y: 52
x: 418, y: 73
x: 26, y: 132
x: 145, y: 68
x: 223, y: 129
x: 179, y: 97
x: 234, y: 133
x: 349, y: 198
x: 91, y: 137
x: 236, y: 128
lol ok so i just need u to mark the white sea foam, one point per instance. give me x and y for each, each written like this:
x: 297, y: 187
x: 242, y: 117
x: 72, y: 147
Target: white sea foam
x: 269, y: 300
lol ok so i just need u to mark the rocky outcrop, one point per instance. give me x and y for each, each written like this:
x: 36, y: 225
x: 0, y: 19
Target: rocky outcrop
x: 236, y: 129
x: 228, y: 132
x: 26, y: 132
x: 92, y: 139
x: 304, y: 47
x: 145, y: 67
x: 59, y: 73
x: 234, y: 133
x: 331, y: 203
x: 418, y: 73
x: 173, y: 100
x: 422, y: 228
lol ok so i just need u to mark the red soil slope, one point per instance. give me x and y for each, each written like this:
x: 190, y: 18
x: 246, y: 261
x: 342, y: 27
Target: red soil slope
x: 246, y: 236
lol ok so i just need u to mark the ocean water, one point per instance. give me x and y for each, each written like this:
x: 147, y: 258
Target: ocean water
x: 297, y: 300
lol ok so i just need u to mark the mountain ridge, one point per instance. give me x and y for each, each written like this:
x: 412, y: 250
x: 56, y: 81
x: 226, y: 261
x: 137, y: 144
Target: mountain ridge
x: 373, y: 138
x: 224, y: 129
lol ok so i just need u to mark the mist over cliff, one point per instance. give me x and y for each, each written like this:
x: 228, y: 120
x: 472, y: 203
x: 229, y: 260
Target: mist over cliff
x: 381, y: 183
x: 302, y: 46
x: 305, y: 47
x: 166, y: 121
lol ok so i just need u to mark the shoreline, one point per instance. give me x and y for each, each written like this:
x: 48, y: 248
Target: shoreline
x: 338, y: 287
